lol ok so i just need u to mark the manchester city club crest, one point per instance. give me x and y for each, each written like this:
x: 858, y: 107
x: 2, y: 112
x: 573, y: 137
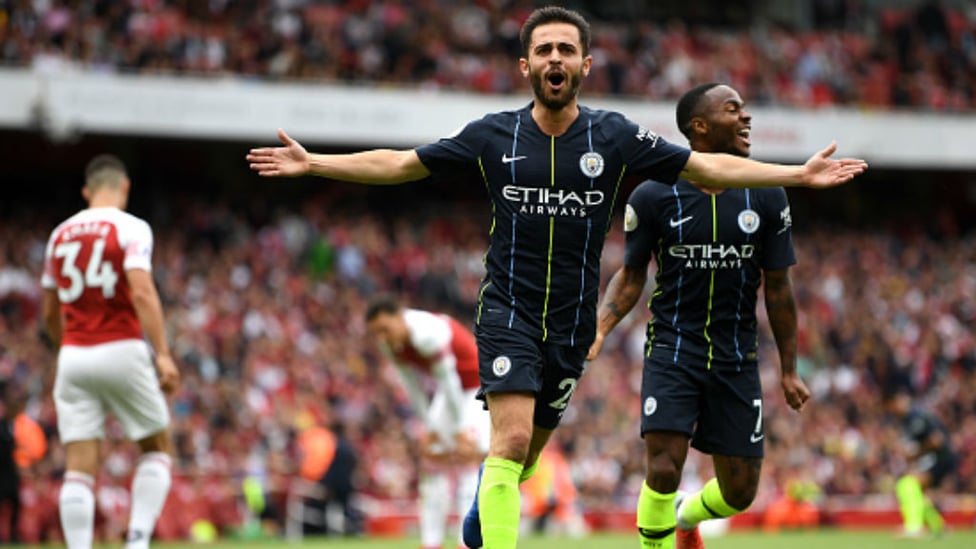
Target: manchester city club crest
x: 748, y: 221
x: 630, y: 218
x: 501, y: 365
x: 650, y: 406
x: 591, y: 164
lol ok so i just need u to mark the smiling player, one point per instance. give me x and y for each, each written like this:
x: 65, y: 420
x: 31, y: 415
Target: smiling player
x: 701, y: 378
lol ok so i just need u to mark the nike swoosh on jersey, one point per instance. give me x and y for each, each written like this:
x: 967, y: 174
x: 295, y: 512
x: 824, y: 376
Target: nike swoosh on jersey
x: 509, y: 159
x: 754, y: 439
x: 676, y: 222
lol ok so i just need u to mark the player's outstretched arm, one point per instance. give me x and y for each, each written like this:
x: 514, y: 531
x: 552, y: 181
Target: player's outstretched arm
x: 378, y: 166
x: 623, y: 291
x: 725, y: 171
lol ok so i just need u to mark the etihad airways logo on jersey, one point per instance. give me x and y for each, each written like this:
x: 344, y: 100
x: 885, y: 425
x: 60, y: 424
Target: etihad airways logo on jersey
x: 550, y: 201
x: 712, y: 256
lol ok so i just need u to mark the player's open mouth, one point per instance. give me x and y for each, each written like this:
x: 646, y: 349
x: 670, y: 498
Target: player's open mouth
x: 556, y: 79
x: 744, y: 134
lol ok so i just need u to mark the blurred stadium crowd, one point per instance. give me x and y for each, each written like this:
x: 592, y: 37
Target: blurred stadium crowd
x: 920, y: 55
x: 267, y: 322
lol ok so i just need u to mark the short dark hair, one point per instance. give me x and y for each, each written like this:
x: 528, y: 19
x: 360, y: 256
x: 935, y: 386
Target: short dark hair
x: 104, y: 169
x: 689, y: 106
x: 381, y: 304
x: 554, y: 14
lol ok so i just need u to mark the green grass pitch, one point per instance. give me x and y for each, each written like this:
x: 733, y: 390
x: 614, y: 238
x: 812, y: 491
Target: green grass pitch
x: 817, y: 539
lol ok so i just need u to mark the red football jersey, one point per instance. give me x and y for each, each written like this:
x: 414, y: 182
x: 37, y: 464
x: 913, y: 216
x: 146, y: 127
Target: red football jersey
x: 85, y: 260
x: 431, y: 337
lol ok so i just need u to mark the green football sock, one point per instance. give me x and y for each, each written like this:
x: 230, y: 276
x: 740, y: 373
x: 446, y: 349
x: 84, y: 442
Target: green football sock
x: 655, y: 518
x: 911, y: 501
x: 705, y: 504
x: 500, y: 503
x: 932, y: 518
x: 529, y: 471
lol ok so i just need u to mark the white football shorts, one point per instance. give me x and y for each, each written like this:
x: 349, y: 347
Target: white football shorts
x: 117, y: 378
x: 475, y: 421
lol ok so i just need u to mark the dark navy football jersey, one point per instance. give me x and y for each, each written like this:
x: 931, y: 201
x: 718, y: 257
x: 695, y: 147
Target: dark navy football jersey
x: 552, y: 200
x: 711, y: 250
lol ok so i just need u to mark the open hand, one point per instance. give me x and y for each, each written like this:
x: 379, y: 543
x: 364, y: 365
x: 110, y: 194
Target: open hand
x: 288, y: 161
x: 821, y: 171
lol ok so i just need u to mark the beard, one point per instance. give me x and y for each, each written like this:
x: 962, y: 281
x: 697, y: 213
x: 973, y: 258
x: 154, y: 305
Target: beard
x: 724, y: 139
x: 737, y: 147
x: 565, y: 95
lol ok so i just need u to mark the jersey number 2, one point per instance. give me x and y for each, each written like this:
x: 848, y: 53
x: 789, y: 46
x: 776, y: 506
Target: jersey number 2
x: 568, y: 385
x: 98, y: 273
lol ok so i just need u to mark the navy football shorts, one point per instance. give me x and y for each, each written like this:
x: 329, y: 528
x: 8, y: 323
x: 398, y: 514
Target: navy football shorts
x: 719, y: 408
x: 511, y: 361
x: 938, y: 465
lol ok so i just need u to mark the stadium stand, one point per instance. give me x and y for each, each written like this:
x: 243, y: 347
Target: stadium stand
x: 874, y: 55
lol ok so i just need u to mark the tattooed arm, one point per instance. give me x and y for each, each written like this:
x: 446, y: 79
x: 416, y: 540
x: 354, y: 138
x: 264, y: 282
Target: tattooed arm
x: 622, y: 293
x: 781, y: 309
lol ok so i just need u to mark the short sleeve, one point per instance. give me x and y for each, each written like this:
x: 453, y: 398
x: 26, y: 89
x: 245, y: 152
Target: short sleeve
x: 650, y: 156
x: 778, y: 239
x: 137, y: 245
x: 430, y: 334
x: 48, y: 276
x: 455, y: 152
x: 639, y: 226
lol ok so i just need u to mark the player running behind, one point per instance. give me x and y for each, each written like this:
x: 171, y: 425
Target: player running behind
x: 701, y: 377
